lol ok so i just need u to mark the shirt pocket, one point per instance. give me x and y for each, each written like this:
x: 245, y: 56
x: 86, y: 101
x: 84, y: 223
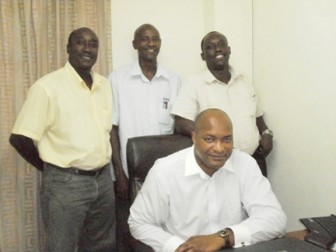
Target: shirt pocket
x: 247, y: 106
x: 164, y: 116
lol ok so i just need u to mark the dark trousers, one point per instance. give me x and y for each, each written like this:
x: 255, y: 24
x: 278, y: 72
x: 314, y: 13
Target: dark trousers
x: 261, y: 162
x: 78, y: 211
x: 122, y: 213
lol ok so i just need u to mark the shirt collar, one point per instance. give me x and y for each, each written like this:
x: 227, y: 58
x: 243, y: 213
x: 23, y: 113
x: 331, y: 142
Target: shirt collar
x: 96, y: 81
x: 160, y: 72
x: 210, y: 78
x: 192, y: 168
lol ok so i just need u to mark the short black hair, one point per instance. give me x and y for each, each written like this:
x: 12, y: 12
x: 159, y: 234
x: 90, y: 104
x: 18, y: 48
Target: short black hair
x: 144, y: 27
x: 207, y: 35
x: 74, y: 32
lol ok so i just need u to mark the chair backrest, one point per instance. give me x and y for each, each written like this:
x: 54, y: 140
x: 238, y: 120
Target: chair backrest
x: 143, y: 151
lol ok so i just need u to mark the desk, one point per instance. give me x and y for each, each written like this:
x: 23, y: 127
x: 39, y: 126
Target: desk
x: 292, y: 241
x: 298, y: 235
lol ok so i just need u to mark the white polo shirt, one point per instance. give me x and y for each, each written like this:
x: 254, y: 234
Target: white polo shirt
x: 237, y: 98
x: 142, y: 107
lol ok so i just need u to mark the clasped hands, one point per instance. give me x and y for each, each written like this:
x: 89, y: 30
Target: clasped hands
x: 202, y: 243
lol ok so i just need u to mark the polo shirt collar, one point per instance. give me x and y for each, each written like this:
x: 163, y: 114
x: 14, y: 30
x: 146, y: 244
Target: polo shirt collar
x: 210, y: 78
x: 192, y: 168
x: 96, y: 82
x: 160, y: 72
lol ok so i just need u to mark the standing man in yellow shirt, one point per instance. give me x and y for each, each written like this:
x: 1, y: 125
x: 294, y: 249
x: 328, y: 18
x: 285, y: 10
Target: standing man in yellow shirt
x: 63, y: 130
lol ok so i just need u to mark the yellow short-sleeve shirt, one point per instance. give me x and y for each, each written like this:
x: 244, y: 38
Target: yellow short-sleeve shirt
x: 70, y: 123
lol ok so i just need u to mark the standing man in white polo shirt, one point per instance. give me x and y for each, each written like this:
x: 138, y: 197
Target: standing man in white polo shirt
x: 143, y: 94
x: 221, y: 86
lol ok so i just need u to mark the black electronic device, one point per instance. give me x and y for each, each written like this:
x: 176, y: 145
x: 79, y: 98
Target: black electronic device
x: 322, y: 231
x: 285, y: 244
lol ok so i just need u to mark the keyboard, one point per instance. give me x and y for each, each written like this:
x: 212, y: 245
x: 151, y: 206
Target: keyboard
x: 325, y: 225
x: 322, y: 231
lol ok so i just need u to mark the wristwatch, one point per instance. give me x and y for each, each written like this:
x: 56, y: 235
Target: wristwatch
x: 225, y: 234
x: 267, y: 132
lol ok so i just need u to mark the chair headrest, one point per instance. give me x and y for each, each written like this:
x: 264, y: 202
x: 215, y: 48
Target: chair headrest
x: 143, y: 151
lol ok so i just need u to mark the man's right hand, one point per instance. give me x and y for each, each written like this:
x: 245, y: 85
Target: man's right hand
x: 121, y: 187
x: 206, y: 243
x: 26, y: 148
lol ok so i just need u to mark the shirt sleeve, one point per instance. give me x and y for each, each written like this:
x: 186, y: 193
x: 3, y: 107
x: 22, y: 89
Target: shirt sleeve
x: 35, y: 114
x: 260, y: 109
x: 266, y: 219
x: 148, y: 214
x: 186, y: 104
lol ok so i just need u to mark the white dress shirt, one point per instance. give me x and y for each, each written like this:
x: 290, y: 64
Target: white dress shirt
x: 179, y: 200
x: 141, y: 106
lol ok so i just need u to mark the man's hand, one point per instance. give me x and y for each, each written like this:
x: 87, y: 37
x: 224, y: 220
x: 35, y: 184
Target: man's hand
x: 265, y: 145
x: 121, y: 187
x: 202, y: 243
x: 26, y: 148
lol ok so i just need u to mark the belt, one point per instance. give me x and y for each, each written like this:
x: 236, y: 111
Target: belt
x: 82, y: 172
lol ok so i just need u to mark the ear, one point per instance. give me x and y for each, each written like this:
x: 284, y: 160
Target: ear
x: 134, y: 43
x: 193, y: 136
x: 202, y: 56
x: 68, y: 48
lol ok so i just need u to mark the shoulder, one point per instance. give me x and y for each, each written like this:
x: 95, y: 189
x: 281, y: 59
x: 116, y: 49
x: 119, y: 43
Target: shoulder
x: 243, y: 163
x: 99, y: 77
x: 168, y: 71
x: 240, y: 75
x: 53, y: 75
x: 200, y: 75
x: 171, y: 165
x: 169, y: 74
x: 196, y: 80
x: 122, y: 70
x: 51, y: 80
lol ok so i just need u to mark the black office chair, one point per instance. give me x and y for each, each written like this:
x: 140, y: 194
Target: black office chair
x: 141, y: 155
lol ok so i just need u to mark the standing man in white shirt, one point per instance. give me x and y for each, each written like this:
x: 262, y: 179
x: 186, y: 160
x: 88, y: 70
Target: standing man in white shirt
x: 221, y: 86
x: 206, y: 197
x: 143, y: 93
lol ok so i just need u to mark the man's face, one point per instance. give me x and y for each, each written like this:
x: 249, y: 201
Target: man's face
x: 83, y: 49
x: 216, y: 51
x: 148, y: 43
x: 213, y: 143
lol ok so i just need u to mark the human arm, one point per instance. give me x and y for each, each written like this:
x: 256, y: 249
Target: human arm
x: 27, y: 149
x: 149, y: 214
x: 185, y: 109
x: 121, y: 184
x: 265, y: 218
x: 266, y: 140
x: 212, y: 242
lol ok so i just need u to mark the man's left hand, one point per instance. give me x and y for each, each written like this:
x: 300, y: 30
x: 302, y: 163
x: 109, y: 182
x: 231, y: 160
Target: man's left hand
x: 202, y: 243
x: 265, y: 145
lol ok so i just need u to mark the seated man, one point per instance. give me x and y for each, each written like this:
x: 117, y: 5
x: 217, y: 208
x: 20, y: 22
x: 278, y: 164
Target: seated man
x: 206, y: 197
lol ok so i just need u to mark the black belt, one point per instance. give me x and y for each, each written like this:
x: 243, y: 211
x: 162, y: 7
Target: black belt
x: 82, y: 172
